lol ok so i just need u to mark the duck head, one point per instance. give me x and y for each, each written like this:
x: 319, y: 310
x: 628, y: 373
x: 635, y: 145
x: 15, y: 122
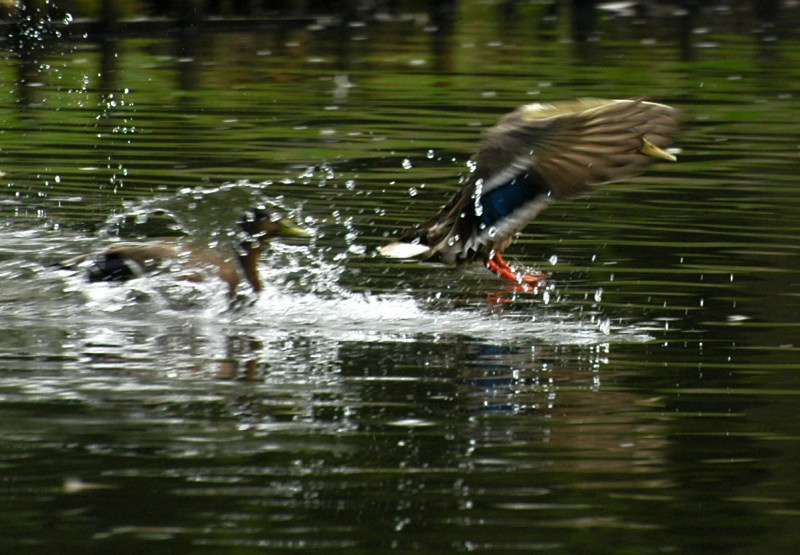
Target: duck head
x: 260, y: 224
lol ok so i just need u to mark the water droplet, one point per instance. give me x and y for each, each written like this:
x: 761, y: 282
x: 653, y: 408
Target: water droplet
x: 430, y: 154
x: 407, y: 164
x: 412, y: 191
x: 492, y: 233
x: 553, y: 259
x: 350, y: 184
x: 477, y: 196
x: 598, y: 295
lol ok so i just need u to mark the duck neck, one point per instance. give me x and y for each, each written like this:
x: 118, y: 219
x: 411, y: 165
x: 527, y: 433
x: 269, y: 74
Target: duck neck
x: 248, y: 256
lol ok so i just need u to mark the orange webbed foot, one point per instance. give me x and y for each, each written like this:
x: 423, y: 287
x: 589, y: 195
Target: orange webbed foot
x: 497, y: 265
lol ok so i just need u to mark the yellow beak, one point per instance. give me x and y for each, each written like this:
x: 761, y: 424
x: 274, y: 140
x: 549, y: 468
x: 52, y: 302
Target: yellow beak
x: 649, y: 149
x: 287, y: 228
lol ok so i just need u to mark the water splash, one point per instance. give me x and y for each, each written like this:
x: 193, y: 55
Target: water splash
x: 303, y: 296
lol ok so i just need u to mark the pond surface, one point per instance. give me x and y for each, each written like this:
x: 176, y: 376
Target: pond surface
x: 646, y: 401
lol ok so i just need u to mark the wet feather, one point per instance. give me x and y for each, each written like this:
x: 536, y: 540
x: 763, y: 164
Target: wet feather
x: 535, y: 154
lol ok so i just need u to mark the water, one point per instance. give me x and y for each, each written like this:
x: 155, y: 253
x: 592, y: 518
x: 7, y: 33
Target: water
x: 644, y: 401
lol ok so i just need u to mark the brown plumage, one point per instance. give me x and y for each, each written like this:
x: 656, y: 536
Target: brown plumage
x: 124, y: 261
x: 535, y: 154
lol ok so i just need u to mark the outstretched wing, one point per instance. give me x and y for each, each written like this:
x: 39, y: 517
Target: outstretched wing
x: 574, y: 145
x: 537, y: 153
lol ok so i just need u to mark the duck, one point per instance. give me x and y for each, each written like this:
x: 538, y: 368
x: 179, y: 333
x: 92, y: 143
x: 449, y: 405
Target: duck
x: 534, y: 155
x: 130, y: 260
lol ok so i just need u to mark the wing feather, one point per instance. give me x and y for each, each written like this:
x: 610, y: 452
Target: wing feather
x: 559, y: 150
x: 575, y: 145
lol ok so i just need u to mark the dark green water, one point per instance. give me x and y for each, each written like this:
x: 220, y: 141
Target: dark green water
x: 647, y: 401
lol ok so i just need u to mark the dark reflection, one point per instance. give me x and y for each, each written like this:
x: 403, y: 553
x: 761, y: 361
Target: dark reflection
x: 687, y: 18
x: 517, y: 407
x: 133, y: 417
x: 767, y: 11
x: 768, y: 28
x: 343, y: 39
x: 109, y: 62
x: 110, y: 14
x: 242, y: 359
x: 717, y: 457
x: 190, y: 16
x: 112, y: 119
x: 28, y: 76
x: 442, y: 16
x: 188, y: 66
x: 29, y: 41
x: 189, y: 46
x: 509, y: 15
x: 548, y: 22
x: 584, y: 17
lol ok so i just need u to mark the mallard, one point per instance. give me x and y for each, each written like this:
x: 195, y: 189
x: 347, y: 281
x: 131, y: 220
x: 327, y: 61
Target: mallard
x: 535, y: 154
x: 125, y: 261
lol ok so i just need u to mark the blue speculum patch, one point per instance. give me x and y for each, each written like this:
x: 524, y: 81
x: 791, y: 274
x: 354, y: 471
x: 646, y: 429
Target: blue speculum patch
x: 502, y: 201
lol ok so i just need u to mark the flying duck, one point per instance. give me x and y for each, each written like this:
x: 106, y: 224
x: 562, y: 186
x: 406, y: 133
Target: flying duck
x: 536, y: 154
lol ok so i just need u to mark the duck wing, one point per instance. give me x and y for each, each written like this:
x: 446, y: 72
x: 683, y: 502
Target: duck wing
x: 534, y: 154
x: 574, y: 145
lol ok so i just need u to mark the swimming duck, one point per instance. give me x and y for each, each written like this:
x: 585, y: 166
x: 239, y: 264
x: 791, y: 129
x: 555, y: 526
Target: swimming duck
x: 124, y: 261
x: 536, y: 154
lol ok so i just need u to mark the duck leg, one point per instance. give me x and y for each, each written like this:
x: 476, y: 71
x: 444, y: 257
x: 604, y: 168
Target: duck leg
x: 497, y: 265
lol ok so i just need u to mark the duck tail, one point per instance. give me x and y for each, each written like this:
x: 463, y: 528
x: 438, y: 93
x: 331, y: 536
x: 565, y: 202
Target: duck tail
x: 109, y: 267
x: 114, y: 268
x: 405, y: 249
x: 437, y: 238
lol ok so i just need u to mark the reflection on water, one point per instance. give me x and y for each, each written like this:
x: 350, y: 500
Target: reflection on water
x: 644, y: 400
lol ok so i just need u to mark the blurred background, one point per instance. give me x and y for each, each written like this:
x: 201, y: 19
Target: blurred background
x: 644, y: 401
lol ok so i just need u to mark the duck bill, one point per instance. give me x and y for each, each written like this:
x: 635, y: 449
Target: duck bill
x: 649, y: 149
x: 287, y: 228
